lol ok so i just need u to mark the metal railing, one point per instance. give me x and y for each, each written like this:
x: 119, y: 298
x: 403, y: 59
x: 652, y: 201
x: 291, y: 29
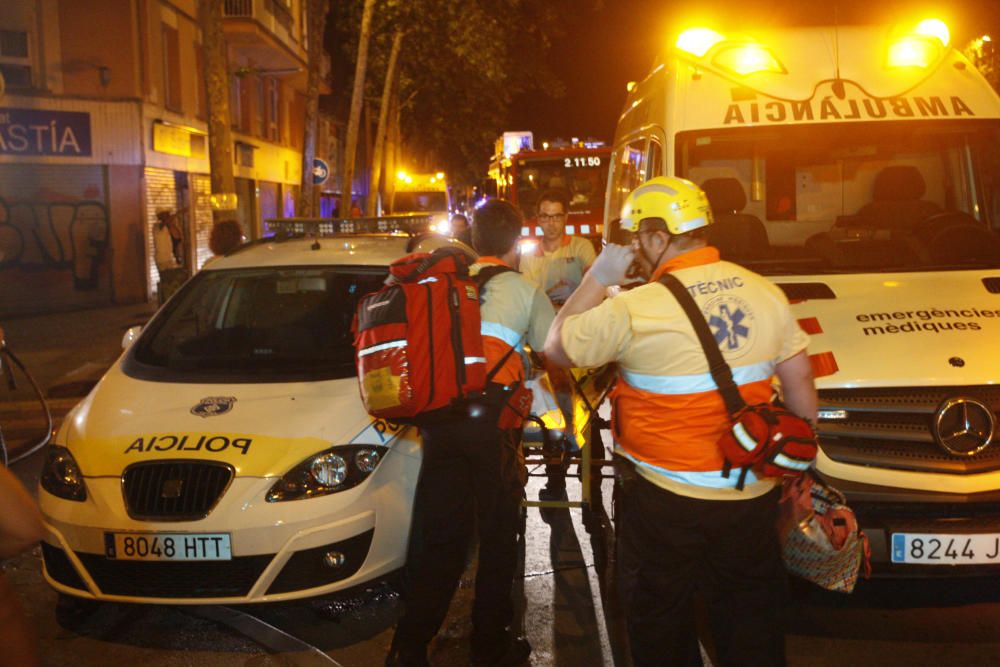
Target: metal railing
x: 237, y: 8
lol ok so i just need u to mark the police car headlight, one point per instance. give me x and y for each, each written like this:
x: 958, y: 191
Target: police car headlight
x: 61, y: 475
x: 330, y: 471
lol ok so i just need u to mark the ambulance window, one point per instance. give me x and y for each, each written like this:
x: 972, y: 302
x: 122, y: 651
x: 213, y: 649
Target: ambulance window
x: 654, y: 159
x: 629, y: 173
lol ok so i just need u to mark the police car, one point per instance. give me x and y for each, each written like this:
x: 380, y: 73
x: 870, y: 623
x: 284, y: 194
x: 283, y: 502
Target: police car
x: 226, y: 457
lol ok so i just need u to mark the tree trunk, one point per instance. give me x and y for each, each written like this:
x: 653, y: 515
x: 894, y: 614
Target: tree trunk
x: 392, y: 153
x: 220, y: 136
x: 357, y: 99
x: 317, y: 25
x: 383, y: 118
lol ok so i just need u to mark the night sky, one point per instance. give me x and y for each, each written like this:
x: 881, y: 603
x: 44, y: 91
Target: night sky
x: 604, y: 49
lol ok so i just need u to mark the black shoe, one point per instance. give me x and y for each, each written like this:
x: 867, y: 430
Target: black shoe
x: 515, y: 651
x: 406, y: 658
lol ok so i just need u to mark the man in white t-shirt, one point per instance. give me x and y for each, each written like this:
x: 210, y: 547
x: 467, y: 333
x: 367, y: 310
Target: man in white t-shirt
x: 559, y: 261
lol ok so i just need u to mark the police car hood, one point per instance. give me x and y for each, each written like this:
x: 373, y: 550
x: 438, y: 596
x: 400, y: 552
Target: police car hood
x: 900, y: 329
x: 260, y: 429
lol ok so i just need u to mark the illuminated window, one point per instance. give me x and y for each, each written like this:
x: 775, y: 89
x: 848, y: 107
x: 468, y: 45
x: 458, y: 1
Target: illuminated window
x: 15, y: 61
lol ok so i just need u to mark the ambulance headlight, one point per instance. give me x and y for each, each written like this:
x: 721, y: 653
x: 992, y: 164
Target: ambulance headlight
x: 330, y: 471
x: 61, y: 475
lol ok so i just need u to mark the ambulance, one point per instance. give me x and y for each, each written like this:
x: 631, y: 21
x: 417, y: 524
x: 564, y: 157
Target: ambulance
x: 226, y: 456
x: 423, y: 194
x: 859, y: 169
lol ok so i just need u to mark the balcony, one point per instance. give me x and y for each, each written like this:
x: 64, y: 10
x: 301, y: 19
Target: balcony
x: 265, y: 34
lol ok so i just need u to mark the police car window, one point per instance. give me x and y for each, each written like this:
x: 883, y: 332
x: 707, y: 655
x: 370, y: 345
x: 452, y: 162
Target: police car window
x: 856, y: 197
x: 258, y: 325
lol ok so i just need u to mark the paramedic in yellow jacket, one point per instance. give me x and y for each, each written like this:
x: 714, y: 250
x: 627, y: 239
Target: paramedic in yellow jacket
x: 683, y: 527
x: 473, y: 471
x: 558, y: 262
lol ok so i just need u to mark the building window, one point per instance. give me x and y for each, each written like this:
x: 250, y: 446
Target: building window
x: 235, y: 111
x: 273, y: 111
x: 201, y: 92
x: 171, y: 68
x: 15, y: 61
x: 244, y: 154
x: 261, y: 105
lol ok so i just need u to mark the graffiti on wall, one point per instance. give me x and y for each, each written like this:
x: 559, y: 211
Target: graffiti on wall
x: 46, y: 235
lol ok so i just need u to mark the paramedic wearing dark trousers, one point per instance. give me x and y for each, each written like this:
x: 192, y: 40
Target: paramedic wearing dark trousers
x: 473, y: 472
x: 683, y: 527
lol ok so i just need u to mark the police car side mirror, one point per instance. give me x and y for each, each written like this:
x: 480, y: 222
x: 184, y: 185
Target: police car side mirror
x: 130, y: 336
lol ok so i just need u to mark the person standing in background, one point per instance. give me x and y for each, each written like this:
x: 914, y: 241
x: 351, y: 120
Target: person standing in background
x: 559, y: 261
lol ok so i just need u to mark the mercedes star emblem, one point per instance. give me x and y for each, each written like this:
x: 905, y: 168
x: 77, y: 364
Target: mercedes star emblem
x: 964, y: 426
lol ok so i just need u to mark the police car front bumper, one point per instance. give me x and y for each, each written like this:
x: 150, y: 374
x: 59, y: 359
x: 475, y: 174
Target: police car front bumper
x: 279, y: 551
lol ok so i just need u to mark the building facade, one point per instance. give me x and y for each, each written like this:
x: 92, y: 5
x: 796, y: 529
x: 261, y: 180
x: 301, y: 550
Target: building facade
x: 103, y: 124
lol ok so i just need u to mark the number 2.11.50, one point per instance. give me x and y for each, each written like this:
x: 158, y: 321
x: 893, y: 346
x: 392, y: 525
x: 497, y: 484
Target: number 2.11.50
x: 581, y: 161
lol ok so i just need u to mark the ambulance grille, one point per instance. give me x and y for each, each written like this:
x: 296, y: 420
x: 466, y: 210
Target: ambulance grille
x: 892, y: 428
x: 174, y: 490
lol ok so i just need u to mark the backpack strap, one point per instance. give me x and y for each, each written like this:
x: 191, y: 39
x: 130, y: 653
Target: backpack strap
x: 486, y: 274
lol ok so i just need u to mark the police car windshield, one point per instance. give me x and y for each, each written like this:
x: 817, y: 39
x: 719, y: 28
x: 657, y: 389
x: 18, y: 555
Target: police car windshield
x: 852, y: 197
x: 257, y: 325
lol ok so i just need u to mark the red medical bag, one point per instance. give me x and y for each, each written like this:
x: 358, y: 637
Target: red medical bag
x: 418, y: 342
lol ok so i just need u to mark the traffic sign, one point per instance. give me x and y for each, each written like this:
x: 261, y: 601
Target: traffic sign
x: 321, y: 171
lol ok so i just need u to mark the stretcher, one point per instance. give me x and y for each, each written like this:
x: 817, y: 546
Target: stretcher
x: 564, y: 428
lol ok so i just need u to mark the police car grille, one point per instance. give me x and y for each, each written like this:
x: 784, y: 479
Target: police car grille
x: 231, y: 578
x: 892, y: 428
x: 174, y: 490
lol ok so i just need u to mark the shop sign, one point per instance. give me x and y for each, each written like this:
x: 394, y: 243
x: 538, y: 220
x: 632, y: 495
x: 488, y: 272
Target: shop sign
x: 171, y: 140
x: 44, y: 132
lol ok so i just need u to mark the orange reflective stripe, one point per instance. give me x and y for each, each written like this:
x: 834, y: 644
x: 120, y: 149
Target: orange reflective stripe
x: 512, y: 369
x: 676, y: 431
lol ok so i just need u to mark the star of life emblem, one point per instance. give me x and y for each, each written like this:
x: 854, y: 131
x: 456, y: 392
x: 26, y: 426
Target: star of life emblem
x: 732, y: 324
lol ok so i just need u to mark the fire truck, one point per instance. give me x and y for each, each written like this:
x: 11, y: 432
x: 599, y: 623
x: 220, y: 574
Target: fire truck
x: 521, y: 173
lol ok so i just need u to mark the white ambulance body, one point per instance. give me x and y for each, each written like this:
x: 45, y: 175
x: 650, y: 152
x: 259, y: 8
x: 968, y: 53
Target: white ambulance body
x: 859, y: 169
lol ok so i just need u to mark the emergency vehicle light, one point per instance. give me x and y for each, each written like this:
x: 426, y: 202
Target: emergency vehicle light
x: 744, y: 59
x: 913, y: 51
x: 934, y: 28
x: 697, y: 41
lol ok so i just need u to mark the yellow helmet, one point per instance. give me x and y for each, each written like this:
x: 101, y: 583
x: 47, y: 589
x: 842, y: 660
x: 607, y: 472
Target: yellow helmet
x: 681, y: 204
